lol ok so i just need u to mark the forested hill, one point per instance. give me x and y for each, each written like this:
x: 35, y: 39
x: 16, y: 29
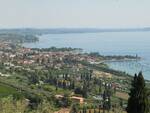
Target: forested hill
x: 15, y: 37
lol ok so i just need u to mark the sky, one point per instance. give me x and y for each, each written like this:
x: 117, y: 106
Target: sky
x: 74, y: 13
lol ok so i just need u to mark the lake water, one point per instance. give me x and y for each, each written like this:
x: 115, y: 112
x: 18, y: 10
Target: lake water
x: 106, y: 43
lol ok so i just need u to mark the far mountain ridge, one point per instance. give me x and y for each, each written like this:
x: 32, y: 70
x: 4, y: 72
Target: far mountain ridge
x: 40, y: 31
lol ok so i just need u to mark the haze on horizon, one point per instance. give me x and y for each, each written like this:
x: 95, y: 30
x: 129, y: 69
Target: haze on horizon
x: 74, y: 13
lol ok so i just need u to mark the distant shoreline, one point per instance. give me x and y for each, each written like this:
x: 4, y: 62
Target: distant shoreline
x: 42, y: 31
x: 121, y: 60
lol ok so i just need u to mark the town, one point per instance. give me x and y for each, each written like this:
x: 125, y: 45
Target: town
x: 65, y: 76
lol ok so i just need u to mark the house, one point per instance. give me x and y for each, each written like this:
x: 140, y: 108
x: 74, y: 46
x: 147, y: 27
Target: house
x: 78, y: 99
x: 73, y: 98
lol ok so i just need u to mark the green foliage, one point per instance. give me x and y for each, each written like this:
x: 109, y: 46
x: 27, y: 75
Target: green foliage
x: 64, y: 101
x: 54, y: 49
x: 48, y: 88
x: 9, y: 105
x: 138, y: 101
x: 74, y: 108
x: 43, y: 107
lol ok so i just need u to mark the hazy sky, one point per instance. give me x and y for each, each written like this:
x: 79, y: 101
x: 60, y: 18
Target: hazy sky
x: 74, y: 13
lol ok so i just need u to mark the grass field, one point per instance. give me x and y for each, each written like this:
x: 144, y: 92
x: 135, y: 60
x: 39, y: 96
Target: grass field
x: 6, y: 90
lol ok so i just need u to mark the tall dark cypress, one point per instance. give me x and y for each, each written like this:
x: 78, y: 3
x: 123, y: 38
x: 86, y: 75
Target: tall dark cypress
x: 138, y: 101
x: 132, y: 104
x: 142, y: 95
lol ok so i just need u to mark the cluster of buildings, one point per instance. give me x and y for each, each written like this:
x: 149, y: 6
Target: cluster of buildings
x: 31, y: 57
x: 20, y: 57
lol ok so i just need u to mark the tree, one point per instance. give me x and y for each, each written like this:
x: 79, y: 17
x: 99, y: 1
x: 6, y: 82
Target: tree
x: 138, y: 101
x: 9, y: 105
x: 66, y: 100
x: 104, y: 101
x: 99, y: 109
x: 75, y: 108
x: 72, y: 84
x: 78, y: 90
x: 85, y: 90
x: 85, y: 109
x: 109, y: 104
x: 94, y: 110
x: 34, y: 78
x: 43, y: 107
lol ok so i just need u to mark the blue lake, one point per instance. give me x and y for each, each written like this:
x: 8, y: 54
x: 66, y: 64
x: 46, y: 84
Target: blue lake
x: 106, y: 43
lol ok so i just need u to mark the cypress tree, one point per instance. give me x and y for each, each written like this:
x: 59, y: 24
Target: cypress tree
x: 138, y: 101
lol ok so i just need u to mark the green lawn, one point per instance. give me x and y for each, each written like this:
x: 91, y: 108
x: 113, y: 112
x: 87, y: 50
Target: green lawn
x: 6, y: 90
